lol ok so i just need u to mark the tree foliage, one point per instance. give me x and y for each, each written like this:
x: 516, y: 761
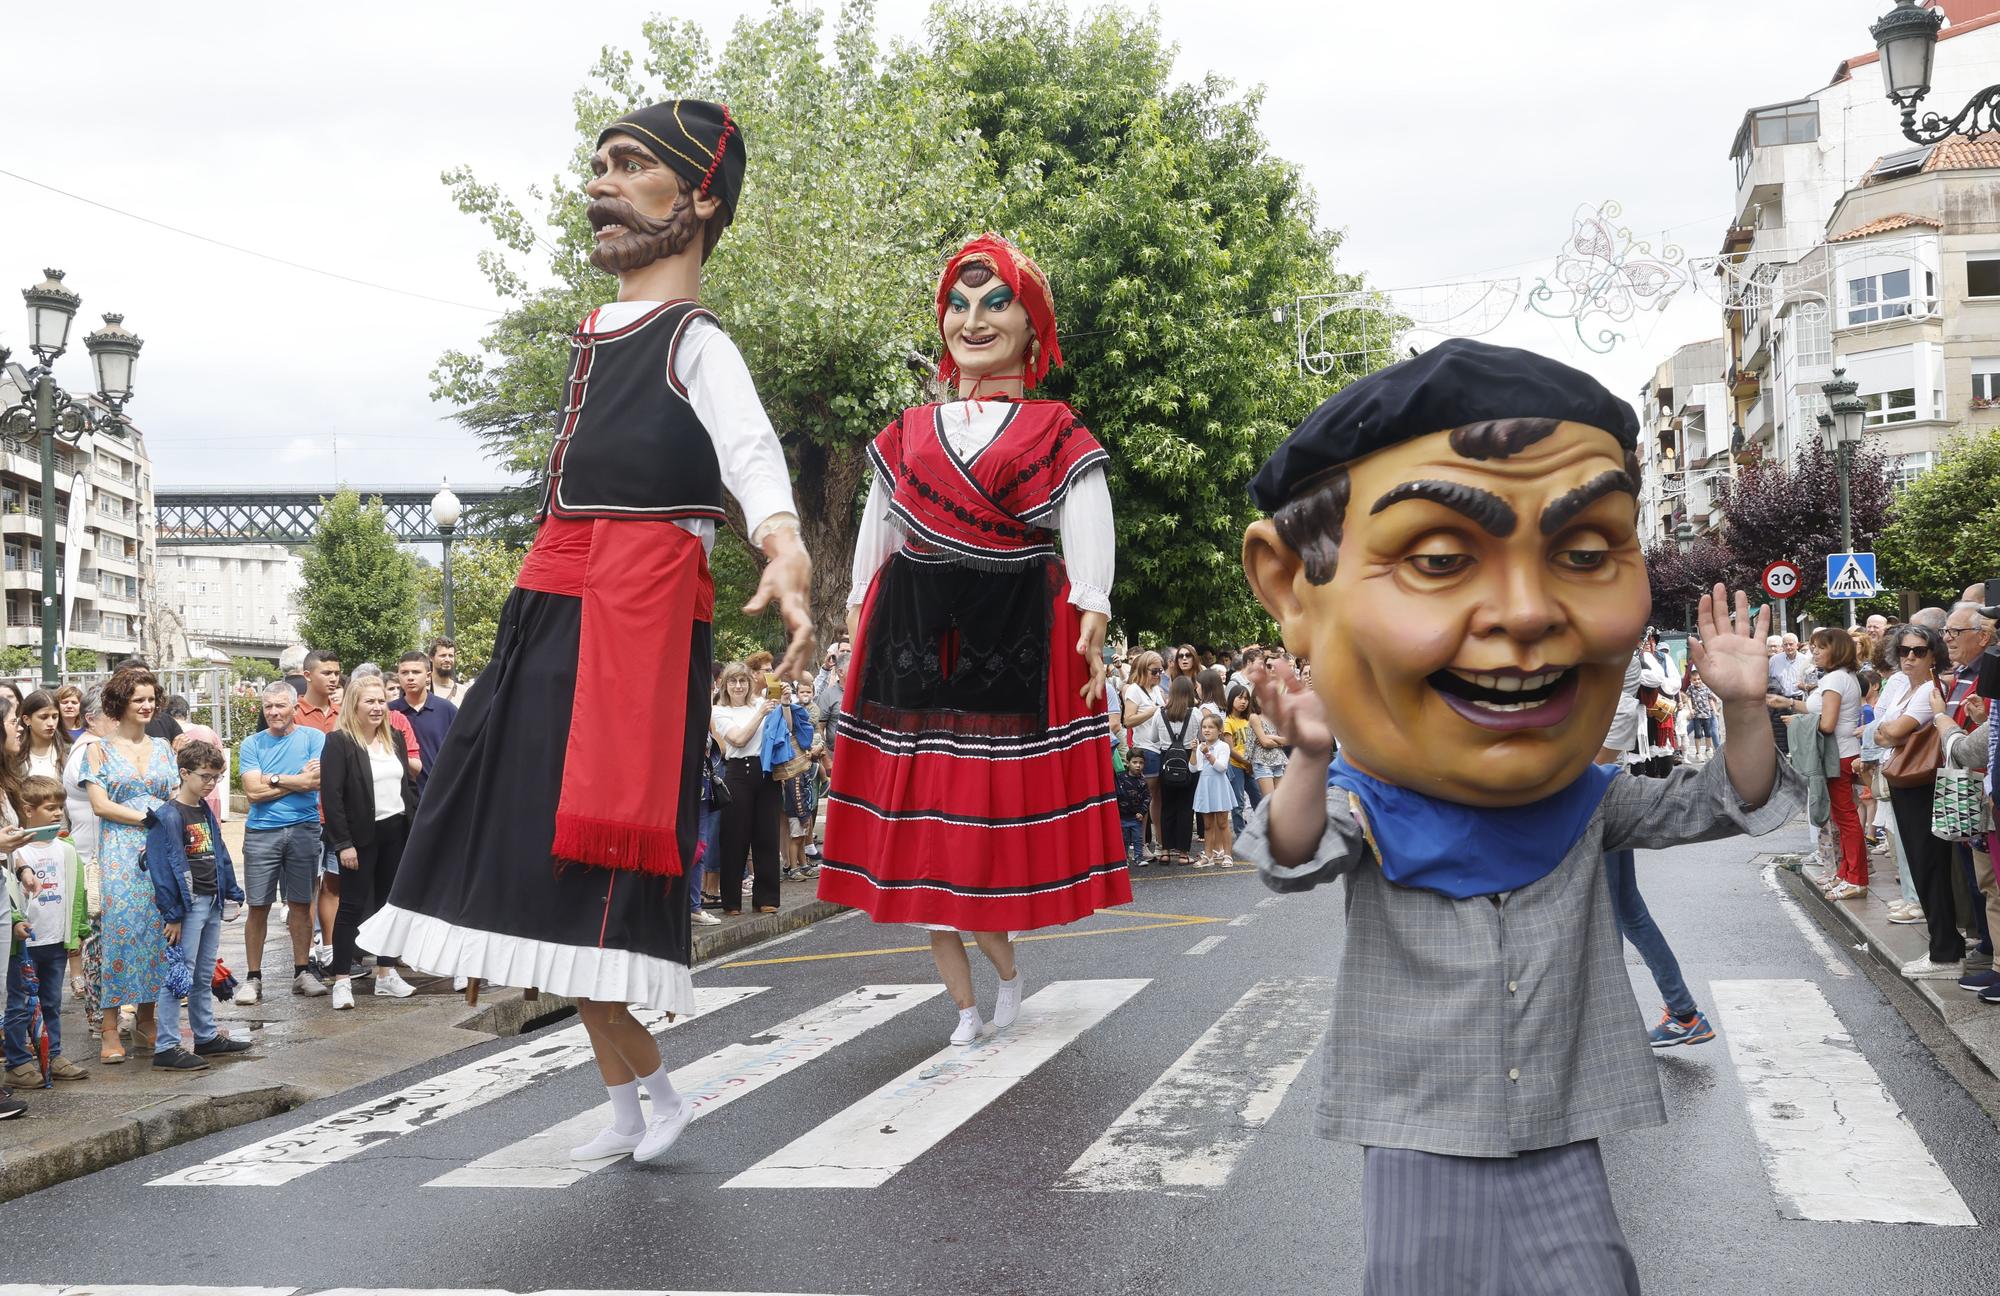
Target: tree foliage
x: 1944, y: 530
x: 359, y: 596
x: 1167, y: 228
x: 1679, y: 578
x: 482, y: 575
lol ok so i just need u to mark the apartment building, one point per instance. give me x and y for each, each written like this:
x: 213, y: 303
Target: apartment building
x: 104, y: 506
x: 236, y: 599
x: 1687, y: 428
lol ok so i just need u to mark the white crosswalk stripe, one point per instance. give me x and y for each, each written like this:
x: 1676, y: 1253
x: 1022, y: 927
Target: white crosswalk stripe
x: 1835, y: 1145
x: 543, y: 1161
x: 867, y: 1144
x: 1189, y: 1129
x: 158, y: 1289
x: 303, y: 1149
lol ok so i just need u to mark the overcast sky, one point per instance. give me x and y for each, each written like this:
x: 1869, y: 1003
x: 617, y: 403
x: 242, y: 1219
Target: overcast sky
x: 1450, y: 139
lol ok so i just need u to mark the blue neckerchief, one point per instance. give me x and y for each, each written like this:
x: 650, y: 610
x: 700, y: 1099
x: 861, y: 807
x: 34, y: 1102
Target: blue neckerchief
x: 1463, y: 851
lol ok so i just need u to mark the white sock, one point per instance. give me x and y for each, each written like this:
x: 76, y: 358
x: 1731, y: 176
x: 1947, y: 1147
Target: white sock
x: 626, y: 1115
x: 661, y: 1091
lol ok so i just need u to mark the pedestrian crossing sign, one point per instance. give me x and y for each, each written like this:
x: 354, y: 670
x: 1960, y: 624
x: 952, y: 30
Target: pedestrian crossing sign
x: 1850, y: 575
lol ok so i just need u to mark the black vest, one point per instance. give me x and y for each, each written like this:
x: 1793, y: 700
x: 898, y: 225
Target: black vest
x: 630, y: 444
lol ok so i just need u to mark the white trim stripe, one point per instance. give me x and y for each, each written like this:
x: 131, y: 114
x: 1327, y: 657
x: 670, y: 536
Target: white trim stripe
x: 1835, y: 1145
x: 303, y: 1149
x: 543, y: 1161
x: 1192, y: 1126
x: 867, y: 1144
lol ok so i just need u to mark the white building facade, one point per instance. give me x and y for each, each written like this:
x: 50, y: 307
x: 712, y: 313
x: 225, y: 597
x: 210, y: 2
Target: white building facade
x: 240, y: 599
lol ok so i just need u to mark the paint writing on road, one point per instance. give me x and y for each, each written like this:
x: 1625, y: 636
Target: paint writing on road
x: 1191, y: 1127
x: 1834, y: 963
x: 303, y: 1149
x: 867, y: 1144
x: 1834, y: 1143
x: 543, y: 1160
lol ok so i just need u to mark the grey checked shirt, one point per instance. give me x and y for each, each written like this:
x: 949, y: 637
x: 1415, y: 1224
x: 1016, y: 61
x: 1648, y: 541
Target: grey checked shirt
x: 1501, y: 1024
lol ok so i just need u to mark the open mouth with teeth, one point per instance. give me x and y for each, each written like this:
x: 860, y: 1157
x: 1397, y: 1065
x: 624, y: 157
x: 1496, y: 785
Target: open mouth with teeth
x: 1509, y: 699
x: 980, y: 340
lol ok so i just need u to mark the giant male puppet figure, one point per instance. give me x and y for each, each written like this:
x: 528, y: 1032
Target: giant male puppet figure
x: 551, y: 846
x: 1453, y: 547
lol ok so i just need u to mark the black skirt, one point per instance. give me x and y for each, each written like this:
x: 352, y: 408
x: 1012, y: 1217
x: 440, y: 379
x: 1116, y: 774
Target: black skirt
x: 479, y: 894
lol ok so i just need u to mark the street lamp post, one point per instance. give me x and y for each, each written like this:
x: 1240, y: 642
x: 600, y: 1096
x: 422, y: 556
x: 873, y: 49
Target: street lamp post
x: 1843, y: 428
x: 445, y: 510
x: 1906, y: 37
x: 32, y: 405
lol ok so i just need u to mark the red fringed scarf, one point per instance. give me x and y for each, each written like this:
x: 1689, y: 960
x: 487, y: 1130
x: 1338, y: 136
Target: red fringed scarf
x: 643, y: 586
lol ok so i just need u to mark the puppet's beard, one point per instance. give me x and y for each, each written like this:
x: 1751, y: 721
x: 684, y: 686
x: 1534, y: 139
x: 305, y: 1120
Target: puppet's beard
x: 645, y: 240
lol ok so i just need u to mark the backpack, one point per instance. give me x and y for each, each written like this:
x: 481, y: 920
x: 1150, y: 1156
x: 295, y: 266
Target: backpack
x: 1174, y: 769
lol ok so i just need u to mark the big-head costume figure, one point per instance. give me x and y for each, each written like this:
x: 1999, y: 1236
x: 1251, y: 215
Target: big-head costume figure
x: 1453, y: 547
x: 552, y: 845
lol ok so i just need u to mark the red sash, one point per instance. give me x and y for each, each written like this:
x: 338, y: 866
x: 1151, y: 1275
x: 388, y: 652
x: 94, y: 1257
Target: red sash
x: 643, y: 586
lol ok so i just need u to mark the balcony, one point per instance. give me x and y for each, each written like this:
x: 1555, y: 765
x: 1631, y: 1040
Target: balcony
x: 1757, y: 345
x: 1757, y: 423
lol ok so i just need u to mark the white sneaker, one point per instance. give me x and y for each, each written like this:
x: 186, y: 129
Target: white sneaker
x: 458, y: 984
x: 1923, y: 967
x: 968, y: 1026
x: 1905, y: 914
x: 305, y: 983
x: 705, y: 918
x: 607, y: 1143
x: 249, y: 992
x: 343, y: 994
x: 1007, y: 1004
x: 661, y: 1131
x: 389, y: 985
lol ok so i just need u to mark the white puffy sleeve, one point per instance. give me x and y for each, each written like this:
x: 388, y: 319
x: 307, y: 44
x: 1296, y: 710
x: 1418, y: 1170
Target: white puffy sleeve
x: 711, y: 369
x: 1090, y: 545
x: 876, y: 543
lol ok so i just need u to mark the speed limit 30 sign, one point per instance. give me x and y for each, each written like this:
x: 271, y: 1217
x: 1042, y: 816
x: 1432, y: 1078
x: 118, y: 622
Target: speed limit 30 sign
x: 1781, y: 579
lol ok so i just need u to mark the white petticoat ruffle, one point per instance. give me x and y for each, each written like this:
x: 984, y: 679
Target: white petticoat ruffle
x: 576, y: 971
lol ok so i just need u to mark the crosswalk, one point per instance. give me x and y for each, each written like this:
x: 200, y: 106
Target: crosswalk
x: 182, y: 1289
x: 1830, y: 1139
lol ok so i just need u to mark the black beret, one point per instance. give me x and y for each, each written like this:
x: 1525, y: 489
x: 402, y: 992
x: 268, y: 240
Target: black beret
x: 1453, y: 384
x: 698, y: 139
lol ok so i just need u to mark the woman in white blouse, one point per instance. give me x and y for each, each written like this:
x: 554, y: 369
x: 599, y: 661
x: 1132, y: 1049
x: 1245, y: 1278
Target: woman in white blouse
x: 1919, y: 653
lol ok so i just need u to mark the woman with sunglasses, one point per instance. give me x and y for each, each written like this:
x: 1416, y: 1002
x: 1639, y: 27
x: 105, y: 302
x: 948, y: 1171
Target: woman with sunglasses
x: 1183, y: 660
x: 1909, y: 706
x: 1143, y: 700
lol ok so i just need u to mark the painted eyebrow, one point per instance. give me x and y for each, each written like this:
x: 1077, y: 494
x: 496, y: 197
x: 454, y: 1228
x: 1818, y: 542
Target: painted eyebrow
x: 1493, y: 514
x: 615, y: 151
x: 1564, y: 509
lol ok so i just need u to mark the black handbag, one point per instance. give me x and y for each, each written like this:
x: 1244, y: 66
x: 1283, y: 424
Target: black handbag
x: 718, y: 787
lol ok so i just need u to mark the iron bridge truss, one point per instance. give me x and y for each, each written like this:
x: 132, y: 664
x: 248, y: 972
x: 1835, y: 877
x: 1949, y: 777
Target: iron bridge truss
x: 215, y: 515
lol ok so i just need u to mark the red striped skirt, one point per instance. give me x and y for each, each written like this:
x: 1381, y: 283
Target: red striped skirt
x: 978, y: 820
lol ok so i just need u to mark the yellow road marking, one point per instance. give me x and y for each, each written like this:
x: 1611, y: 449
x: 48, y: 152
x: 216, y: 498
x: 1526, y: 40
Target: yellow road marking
x: 1175, y: 920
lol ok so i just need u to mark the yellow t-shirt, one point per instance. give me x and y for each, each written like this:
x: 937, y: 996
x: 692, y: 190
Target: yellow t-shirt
x: 1238, y: 731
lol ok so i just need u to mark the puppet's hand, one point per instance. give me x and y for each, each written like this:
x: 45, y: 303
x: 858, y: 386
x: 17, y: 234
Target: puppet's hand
x: 1294, y: 708
x: 787, y: 579
x: 1731, y: 659
x: 1091, y: 645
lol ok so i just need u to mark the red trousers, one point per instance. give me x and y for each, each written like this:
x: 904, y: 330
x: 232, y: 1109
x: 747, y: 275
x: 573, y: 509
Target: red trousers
x: 1847, y: 825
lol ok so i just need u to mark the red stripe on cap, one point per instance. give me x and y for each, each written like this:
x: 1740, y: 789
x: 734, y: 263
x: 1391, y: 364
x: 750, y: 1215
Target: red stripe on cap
x: 721, y: 141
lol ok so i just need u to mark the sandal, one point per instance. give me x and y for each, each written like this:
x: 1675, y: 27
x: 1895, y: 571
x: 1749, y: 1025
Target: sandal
x: 110, y: 1056
x: 1846, y: 891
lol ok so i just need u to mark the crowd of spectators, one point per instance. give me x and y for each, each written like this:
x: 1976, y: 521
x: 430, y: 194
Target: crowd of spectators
x: 119, y: 879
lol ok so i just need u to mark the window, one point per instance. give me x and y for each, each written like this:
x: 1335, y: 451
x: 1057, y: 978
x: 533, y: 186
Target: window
x: 1986, y: 383
x: 1897, y: 406
x: 1812, y: 335
x: 1909, y: 467
x: 1796, y: 123
x: 1982, y: 276
x: 1886, y: 296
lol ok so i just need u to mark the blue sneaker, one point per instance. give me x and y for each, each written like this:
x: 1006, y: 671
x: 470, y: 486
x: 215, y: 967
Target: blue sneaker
x: 1672, y: 1031
x: 1978, y: 981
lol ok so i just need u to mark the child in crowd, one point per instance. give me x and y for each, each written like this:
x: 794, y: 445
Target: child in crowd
x: 1871, y: 757
x: 1236, y: 729
x: 1133, y: 801
x: 1214, y: 798
x: 50, y: 877
x: 193, y: 877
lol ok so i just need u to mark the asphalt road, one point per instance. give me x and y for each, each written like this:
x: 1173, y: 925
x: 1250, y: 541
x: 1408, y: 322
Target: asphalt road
x: 1146, y: 1128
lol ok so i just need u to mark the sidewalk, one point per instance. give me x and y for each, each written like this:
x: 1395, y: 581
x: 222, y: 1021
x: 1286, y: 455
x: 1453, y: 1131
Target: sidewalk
x: 1976, y: 1024
x: 304, y: 1051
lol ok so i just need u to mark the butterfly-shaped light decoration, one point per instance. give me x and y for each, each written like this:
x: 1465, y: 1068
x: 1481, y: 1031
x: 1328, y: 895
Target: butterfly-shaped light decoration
x: 1603, y: 273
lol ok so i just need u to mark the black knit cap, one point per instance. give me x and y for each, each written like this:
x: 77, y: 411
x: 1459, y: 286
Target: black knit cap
x: 1453, y: 384
x: 698, y: 139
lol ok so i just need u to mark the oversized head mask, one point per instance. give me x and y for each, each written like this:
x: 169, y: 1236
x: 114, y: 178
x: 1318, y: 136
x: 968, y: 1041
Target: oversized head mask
x: 668, y: 156
x: 988, y: 277
x: 1454, y: 548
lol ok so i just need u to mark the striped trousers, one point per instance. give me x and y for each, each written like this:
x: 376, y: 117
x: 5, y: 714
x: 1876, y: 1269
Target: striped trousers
x: 1540, y: 1224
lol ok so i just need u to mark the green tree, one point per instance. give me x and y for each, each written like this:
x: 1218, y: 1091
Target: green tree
x: 1169, y: 231
x: 482, y: 575
x: 1944, y: 528
x: 359, y: 596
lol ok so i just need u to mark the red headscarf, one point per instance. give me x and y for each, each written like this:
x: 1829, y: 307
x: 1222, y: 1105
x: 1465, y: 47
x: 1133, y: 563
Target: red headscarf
x: 1031, y: 289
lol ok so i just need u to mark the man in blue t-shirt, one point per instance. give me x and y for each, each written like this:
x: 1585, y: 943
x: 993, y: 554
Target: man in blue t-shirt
x: 281, y: 842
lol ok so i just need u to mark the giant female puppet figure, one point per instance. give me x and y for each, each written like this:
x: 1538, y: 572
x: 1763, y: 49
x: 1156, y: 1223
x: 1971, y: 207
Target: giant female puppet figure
x: 972, y: 792
x: 1454, y: 548
x: 551, y: 844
